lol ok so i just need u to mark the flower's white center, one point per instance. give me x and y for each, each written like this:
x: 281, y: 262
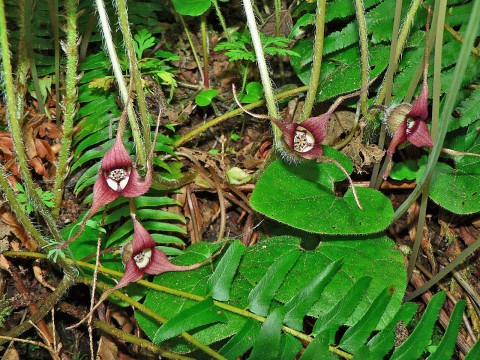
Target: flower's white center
x: 303, y: 140
x: 117, y: 179
x: 143, y: 258
x: 410, y: 124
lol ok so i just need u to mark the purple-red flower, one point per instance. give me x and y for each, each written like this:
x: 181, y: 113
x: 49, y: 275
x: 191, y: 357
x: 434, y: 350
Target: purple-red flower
x: 117, y: 177
x: 146, y: 258
x: 305, y: 138
x: 407, y: 122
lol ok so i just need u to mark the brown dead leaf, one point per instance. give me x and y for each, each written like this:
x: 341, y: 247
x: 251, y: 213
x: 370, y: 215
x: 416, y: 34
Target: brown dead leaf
x: 50, y: 130
x: 4, y: 264
x: 44, y: 150
x: 17, y: 229
x: 362, y: 155
x: 107, y: 349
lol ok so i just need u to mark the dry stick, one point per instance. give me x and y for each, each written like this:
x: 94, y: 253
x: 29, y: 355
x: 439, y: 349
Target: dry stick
x: 221, y: 201
x: 95, y: 279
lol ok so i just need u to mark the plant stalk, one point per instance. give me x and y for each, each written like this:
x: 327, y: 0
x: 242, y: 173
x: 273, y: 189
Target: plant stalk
x: 16, y: 130
x: 117, y: 71
x: 317, y: 60
x: 70, y: 102
x: 135, y: 72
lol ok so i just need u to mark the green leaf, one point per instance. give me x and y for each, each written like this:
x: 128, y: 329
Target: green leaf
x: 191, y: 7
x: 289, y: 347
x: 266, y: 347
x: 302, y: 196
x: 468, y: 111
x: 447, y: 344
x: 318, y: 349
x: 221, y: 279
x: 338, y: 315
x: 418, y: 340
x: 242, y: 341
x: 200, y: 314
x: 357, y: 335
x: 261, y: 296
x: 298, y: 306
x: 457, y: 189
x: 405, y: 170
x: 384, y: 341
x: 254, y: 92
x: 474, y: 352
x: 205, y: 97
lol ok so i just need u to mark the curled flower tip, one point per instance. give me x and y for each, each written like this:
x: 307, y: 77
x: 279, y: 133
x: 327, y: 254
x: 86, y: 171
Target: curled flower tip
x: 117, y: 177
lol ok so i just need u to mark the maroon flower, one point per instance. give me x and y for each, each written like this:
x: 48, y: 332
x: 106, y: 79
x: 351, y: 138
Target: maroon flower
x: 146, y: 258
x: 408, y: 123
x: 117, y: 177
x: 305, y: 138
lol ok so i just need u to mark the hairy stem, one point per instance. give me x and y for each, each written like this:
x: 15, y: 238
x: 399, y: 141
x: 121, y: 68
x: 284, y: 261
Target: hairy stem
x: 135, y: 72
x: 221, y: 19
x: 117, y: 70
x: 362, y: 32
x: 71, y: 96
x: 194, y: 51
x: 16, y: 130
x: 262, y: 64
x: 203, y: 30
x: 402, y: 39
x: 317, y: 60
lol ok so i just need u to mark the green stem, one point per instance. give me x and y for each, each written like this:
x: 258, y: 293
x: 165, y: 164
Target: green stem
x: 194, y: 51
x: 449, y: 104
x: 45, y: 307
x: 71, y: 96
x: 222, y: 20
x: 135, y: 72
x: 412, y: 260
x: 203, y: 30
x: 158, y: 318
x: 362, y: 31
x: 317, y: 60
x: 16, y: 130
x: 201, y: 129
x: 262, y: 65
x: 278, y: 9
x: 402, y: 39
x: 117, y: 71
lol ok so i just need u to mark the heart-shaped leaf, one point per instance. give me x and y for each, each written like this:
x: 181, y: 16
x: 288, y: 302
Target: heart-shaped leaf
x: 302, y: 196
